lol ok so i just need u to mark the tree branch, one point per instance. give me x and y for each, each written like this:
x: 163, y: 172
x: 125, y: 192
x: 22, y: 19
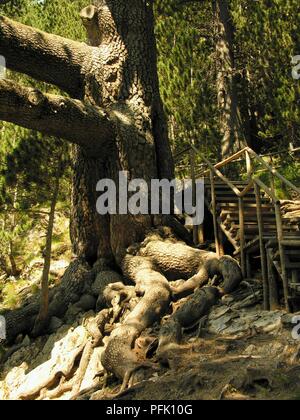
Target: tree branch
x: 57, y: 116
x: 45, y: 57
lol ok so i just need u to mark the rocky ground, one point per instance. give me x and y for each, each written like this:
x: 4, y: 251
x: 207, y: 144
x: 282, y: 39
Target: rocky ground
x: 237, y: 352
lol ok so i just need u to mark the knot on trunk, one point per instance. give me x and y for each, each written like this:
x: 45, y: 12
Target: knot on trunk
x: 89, y: 17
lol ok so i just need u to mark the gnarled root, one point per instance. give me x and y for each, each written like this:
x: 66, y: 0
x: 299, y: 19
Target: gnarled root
x: 188, y: 315
x: 149, y: 265
x: 160, y: 257
x: 176, y: 260
x: 119, y: 357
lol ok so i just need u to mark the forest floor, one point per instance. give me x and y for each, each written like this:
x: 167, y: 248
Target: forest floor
x: 241, y: 353
x: 216, y: 368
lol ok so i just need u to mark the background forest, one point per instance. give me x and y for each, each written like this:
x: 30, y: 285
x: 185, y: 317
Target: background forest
x: 225, y: 75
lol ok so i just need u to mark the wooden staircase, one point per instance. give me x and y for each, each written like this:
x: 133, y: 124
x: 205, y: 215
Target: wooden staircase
x: 228, y: 210
x: 248, y: 213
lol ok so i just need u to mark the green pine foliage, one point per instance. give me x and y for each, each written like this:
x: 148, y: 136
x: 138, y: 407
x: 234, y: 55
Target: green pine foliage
x: 266, y: 37
x: 185, y: 40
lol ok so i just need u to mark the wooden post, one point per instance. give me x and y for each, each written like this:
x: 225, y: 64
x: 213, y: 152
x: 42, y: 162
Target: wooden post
x: 214, y: 212
x: 221, y: 245
x: 274, y: 298
x: 248, y: 266
x: 282, y: 256
x: 193, y: 176
x: 248, y: 165
x: 242, y: 235
x: 262, y: 247
x: 201, y: 237
x: 280, y: 237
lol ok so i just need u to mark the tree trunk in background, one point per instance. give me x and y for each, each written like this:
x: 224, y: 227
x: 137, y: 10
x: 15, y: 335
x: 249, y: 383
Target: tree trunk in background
x: 230, y: 124
x: 249, y: 114
x: 44, y: 305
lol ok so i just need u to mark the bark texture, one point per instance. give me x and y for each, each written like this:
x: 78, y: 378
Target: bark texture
x: 43, y: 56
x: 57, y: 116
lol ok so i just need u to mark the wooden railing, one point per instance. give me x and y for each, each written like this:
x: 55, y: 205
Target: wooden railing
x: 251, y: 159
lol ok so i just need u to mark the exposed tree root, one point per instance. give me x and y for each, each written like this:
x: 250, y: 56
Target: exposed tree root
x: 131, y: 309
x: 119, y: 357
x: 154, y: 261
x: 191, y: 312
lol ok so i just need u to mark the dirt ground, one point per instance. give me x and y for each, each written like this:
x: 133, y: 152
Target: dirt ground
x: 253, y: 368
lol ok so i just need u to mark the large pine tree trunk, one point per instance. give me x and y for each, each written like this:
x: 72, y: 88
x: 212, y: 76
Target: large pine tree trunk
x: 125, y: 82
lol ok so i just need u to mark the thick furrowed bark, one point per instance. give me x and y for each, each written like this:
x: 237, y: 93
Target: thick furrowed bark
x: 176, y: 260
x: 90, y: 231
x: 43, y: 56
x: 58, y: 116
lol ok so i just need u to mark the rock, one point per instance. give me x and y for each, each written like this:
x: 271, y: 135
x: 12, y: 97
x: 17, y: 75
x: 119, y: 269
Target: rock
x: 250, y: 350
x: 219, y: 319
x: 241, y: 321
x: 87, y: 302
x: 26, y: 342
x: 12, y: 381
x: 55, y: 324
x: 103, y: 279
x: 72, y: 313
x: 47, y: 348
x: 93, y: 368
x: 62, y: 360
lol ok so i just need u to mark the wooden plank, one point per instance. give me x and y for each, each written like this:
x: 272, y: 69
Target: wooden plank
x: 242, y: 235
x: 273, y: 289
x: 262, y: 248
x: 214, y: 212
x: 232, y: 200
x: 247, y: 205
